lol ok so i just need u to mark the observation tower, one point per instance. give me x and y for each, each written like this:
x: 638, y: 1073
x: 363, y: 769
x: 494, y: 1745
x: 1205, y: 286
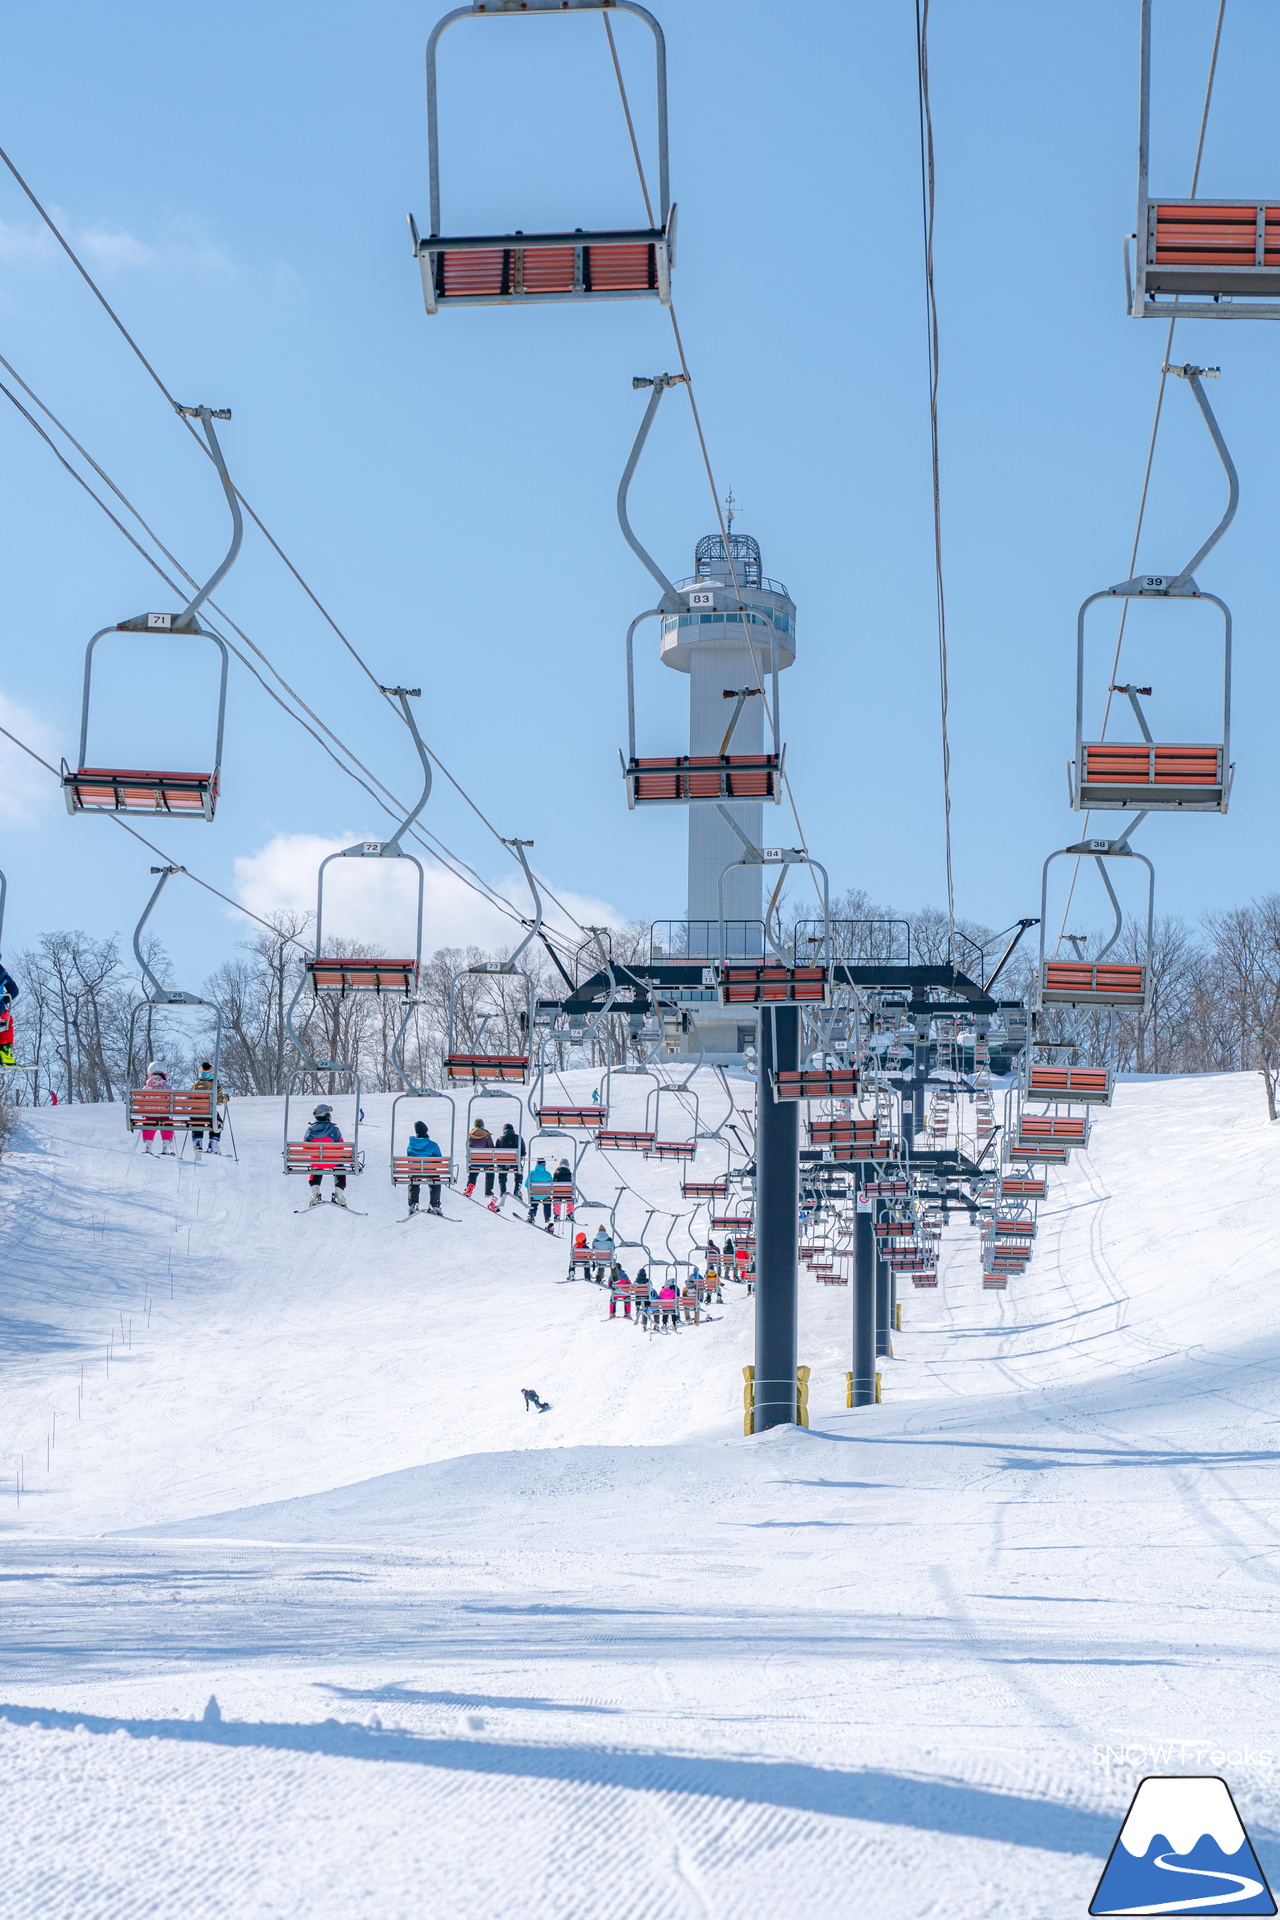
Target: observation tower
x: 726, y: 643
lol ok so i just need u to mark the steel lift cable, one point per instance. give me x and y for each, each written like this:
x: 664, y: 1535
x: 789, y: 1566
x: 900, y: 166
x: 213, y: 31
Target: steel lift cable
x: 1151, y: 446
x: 258, y: 522
x: 451, y: 860
x: 931, y: 312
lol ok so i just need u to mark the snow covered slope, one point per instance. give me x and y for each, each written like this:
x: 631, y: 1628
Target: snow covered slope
x: 617, y: 1659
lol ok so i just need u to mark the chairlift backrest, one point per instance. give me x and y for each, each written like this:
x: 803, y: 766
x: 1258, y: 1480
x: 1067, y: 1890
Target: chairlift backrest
x: 513, y: 269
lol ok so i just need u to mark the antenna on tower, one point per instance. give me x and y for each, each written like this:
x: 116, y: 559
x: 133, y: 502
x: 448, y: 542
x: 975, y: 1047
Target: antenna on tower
x: 729, y: 504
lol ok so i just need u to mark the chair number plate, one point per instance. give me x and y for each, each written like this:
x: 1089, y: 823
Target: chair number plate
x: 702, y: 598
x: 162, y: 621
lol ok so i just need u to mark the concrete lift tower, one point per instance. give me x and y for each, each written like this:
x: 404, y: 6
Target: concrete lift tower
x: 724, y: 658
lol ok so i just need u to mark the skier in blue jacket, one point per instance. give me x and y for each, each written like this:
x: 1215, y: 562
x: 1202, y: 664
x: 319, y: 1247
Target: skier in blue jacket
x: 423, y: 1147
x: 323, y: 1128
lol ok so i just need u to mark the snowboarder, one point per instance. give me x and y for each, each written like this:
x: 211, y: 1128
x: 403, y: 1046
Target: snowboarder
x: 479, y: 1140
x: 323, y: 1128
x: 203, y: 1083
x: 157, y: 1082
x: 538, y: 1188
x: 531, y: 1400
x: 423, y: 1147
x: 507, y: 1139
x: 8, y: 993
x: 602, y: 1254
x: 642, y: 1294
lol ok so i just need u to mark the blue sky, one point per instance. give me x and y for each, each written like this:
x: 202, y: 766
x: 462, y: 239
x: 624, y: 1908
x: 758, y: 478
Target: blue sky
x: 239, y: 181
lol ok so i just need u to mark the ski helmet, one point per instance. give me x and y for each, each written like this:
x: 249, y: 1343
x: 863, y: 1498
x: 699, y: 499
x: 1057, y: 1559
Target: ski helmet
x: 321, y: 1112
x: 153, y: 1066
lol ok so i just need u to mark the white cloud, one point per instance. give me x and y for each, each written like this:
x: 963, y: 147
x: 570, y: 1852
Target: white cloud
x: 107, y: 252
x: 374, y: 900
x: 27, y: 793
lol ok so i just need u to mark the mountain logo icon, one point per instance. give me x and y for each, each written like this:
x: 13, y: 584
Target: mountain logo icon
x: 1182, y: 1850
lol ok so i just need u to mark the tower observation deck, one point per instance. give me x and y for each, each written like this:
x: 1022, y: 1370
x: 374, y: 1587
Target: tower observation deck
x: 723, y: 653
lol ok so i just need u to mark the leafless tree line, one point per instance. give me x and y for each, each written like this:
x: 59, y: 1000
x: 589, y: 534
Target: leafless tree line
x: 85, y: 1033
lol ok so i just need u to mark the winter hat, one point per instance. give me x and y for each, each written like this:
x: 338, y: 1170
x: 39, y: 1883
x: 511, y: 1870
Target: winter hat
x: 153, y: 1066
x: 420, y: 1128
x: 206, y: 1066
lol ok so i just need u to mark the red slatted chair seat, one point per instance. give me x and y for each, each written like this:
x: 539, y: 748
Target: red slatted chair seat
x: 995, y: 1282
x: 743, y: 986
x: 562, y: 1190
x: 1208, y: 235
x: 482, y: 1158
x: 1020, y: 1187
x: 321, y: 1156
x: 1054, y: 1126
x: 864, y: 1150
x: 733, y: 1223
x: 816, y: 1083
x: 583, y: 1257
x: 487, y: 1066
x: 825, y: 1133
x: 179, y: 1108
x: 363, y: 976
x: 417, y: 1167
x: 132, y: 790
x: 704, y: 1189
x: 671, y: 1150
x: 589, y: 1116
x: 925, y: 1279
x: 1051, y: 1153
x: 704, y: 776
x: 1069, y: 1083
x: 615, y: 1140
x: 1087, y: 981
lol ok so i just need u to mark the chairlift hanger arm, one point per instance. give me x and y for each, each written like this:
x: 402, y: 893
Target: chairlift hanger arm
x: 671, y: 601
x: 206, y: 416
x: 535, y: 931
x: 159, y: 995
x: 1192, y: 375
x: 529, y: 8
x: 391, y: 848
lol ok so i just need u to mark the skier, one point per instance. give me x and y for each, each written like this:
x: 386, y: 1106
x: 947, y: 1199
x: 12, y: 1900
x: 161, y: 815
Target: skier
x: 203, y: 1083
x: 667, y: 1306
x: 538, y: 1187
x: 642, y: 1294
x: 157, y: 1082
x: 531, y: 1400
x: 619, y: 1290
x: 322, y: 1128
x: 563, y: 1177
x: 689, y: 1298
x: 479, y: 1138
x: 713, y: 1259
x: 579, y: 1255
x: 602, y: 1254
x: 423, y: 1147
x: 507, y: 1139
x: 8, y: 993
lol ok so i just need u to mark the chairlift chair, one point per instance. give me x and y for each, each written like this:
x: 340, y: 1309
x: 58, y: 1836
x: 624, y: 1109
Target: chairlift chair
x: 344, y: 975
x: 168, y: 1107
x: 180, y: 796
x: 1149, y: 774
x: 1225, y: 251
x: 522, y: 269
x: 697, y: 779
x: 422, y: 1169
x: 673, y: 1149
x: 1068, y: 1086
x: 1098, y: 982
x: 481, y: 1067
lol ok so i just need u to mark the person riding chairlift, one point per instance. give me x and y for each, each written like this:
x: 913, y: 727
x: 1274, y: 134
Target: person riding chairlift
x: 203, y: 1083
x: 8, y: 993
x: 423, y: 1147
x: 538, y: 1188
x: 479, y: 1137
x: 563, y: 1176
x: 157, y: 1082
x: 323, y: 1128
x: 507, y: 1139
